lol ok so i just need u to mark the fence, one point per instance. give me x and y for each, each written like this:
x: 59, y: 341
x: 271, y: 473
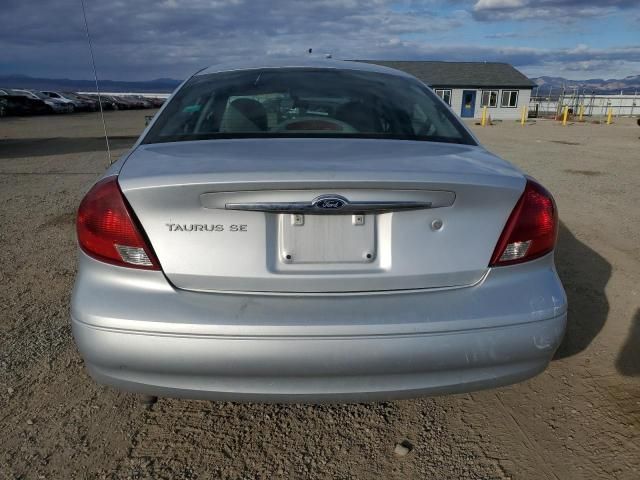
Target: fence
x: 593, y: 105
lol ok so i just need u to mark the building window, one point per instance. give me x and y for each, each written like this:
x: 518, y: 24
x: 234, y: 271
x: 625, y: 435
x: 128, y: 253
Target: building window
x: 489, y: 98
x: 444, y: 95
x: 509, y: 98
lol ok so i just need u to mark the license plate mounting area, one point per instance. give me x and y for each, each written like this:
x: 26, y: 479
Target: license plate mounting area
x: 326, y: 239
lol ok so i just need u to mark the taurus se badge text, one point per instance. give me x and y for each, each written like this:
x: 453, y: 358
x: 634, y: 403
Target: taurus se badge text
x: 205, y: 227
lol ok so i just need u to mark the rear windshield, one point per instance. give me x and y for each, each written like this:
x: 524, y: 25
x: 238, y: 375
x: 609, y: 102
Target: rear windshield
x: 275, y: 103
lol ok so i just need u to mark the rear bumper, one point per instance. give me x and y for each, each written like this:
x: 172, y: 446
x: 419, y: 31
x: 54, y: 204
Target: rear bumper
x: 318, y: 369
x: 137, y: 333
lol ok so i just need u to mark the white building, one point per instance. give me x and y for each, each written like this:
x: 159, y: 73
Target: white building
x: 469, y: 86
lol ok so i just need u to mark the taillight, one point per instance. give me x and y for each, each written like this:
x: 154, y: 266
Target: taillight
x: 531, y: 230
x: 108, y: 231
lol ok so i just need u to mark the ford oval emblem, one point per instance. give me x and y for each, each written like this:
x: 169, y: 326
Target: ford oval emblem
x: 329, y: 202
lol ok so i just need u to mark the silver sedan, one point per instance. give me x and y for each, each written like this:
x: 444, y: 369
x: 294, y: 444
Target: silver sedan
x: 311, y: 231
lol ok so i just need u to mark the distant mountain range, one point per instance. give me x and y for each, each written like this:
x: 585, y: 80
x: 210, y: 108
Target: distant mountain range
x: 160, y: 85
x: 165, y: 85
x: 612, y: 86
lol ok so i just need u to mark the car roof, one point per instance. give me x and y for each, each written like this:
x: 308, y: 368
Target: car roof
x: 300, y: 62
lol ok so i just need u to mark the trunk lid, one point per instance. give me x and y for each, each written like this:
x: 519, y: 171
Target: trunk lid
x: 182, y: 194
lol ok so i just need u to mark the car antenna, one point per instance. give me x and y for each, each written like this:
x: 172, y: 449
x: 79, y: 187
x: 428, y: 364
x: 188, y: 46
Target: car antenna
x: 95, y: 76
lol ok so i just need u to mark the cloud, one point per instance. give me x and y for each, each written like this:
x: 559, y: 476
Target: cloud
x: 172, y: 38
x: 150, y: 37
x: 502, y: 35
x: 519, y: 56
x: 557, y: 10
x: 588, y: 65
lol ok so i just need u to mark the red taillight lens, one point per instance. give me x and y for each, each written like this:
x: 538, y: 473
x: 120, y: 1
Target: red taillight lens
x: 531, y: 230
x: 108, y: 231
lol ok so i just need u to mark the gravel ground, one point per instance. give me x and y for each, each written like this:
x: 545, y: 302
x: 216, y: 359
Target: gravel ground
x: 579, y: 419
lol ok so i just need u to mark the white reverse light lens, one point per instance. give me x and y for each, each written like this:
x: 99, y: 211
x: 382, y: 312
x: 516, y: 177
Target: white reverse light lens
x: 514, y: 251
x: 133, y: 255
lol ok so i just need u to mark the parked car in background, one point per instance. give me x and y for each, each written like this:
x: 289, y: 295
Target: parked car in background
x: 314, y: 231
x: 123, y: 102
x: 56, y: 101
x: 144, y: 102
x: 107, y: 103
x: 57, y: 106
x: 14, y: 104
x: 156, y: 102
x: 66, y: 101
x: 77, y: 103
x: 86, y: 103
x: 131, y: 101
x: 118, y: 102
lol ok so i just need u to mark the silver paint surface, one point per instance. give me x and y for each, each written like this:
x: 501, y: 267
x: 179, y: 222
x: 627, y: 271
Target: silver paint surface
x: 230, y: 318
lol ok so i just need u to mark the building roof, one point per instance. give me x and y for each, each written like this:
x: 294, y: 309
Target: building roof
x: 461, y: 74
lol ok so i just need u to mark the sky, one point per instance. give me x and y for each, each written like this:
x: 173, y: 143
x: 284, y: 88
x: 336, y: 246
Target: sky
x: 149, y: 39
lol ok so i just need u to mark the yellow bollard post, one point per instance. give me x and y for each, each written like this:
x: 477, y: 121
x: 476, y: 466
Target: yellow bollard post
x: 483, y: 122
x: 581, y: 111
x: 523, y: 116
x: 565, y: 114
x: 609, y: 116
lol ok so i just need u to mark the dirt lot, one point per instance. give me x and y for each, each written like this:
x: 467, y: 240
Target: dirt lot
x: 579, y: 419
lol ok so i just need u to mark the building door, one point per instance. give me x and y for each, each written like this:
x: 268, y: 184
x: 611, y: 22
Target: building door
x: 468, y: 103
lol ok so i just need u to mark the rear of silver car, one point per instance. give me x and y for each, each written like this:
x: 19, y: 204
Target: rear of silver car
x: 315, y: 268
